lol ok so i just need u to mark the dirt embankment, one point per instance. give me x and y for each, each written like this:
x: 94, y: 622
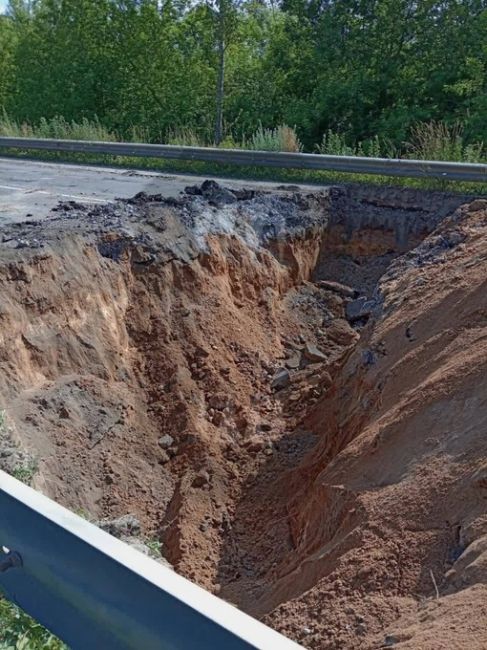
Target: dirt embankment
x: 389, y: 516
x: 285, y: 390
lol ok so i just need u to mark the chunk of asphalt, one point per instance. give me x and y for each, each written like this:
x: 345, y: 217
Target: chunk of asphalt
x: 359, y: 309
x: 342, y: 289
x: 216, y: 194
x: 281, y: 379
x: 369, y: 358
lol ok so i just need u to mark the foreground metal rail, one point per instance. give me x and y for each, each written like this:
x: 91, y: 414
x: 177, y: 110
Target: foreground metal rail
x: 96, y: 592
x: 468, y: 172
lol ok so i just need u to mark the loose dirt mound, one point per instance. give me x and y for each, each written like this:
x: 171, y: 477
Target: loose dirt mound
x: 287, y: 391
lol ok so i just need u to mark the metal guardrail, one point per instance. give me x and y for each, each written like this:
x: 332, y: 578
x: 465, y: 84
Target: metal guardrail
x: 470, y: 172
x: 96, y: 592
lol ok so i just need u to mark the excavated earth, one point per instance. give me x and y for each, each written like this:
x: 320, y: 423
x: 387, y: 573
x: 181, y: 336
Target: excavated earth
x: 286, y: 391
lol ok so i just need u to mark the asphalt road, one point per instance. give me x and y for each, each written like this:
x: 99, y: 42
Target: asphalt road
x: 31, y: 189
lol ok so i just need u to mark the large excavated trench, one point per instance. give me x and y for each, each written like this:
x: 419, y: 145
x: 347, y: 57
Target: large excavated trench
x: 285, y: 391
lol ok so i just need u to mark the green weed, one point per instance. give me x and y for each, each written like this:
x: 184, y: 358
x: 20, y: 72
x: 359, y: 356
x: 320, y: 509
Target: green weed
x: 18, y: 631
x: 25, y: 473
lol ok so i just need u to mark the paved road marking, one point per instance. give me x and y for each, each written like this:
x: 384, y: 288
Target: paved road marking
x: 66, y: 196
x: 11, y: 187
x: 81, y: 198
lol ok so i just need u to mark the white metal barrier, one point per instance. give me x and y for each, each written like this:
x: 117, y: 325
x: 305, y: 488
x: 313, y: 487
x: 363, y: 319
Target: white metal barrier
x: 468, y: 172
x: 97, y: 593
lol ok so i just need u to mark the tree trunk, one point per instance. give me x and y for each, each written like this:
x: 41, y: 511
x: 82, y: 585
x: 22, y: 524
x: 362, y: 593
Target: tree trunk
x: 220, y: 84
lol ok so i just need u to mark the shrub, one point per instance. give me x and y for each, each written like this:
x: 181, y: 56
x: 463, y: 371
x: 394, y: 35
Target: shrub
x: 229, y: 143
x: 334, y: 144
x: 282, y: 138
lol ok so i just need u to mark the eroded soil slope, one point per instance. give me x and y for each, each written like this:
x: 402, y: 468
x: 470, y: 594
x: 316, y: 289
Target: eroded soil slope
x: 389, y: 516
x: 286, y: 391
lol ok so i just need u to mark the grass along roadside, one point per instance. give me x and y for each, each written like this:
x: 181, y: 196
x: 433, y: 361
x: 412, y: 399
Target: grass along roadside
x: 429, y: 141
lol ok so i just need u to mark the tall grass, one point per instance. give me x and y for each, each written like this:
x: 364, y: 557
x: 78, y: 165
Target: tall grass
x: 440, y: 141
x: 427, y: 141
x: 57, y: 128
x: 282, y: 138
x: 335, y: 144
x: 185, y: 137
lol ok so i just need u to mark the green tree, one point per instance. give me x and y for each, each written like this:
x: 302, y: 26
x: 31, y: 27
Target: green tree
x: 362, y: 68
x: 7, y: 66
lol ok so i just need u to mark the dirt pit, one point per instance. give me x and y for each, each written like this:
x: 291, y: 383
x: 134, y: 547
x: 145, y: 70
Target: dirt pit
x: 286, y: 393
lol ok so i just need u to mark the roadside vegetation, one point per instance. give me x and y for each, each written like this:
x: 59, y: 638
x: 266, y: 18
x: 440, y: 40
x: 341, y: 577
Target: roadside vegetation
x: 429, y: 141
x: 354, y: 76
x: 20, y: 632
x: 381, y: 78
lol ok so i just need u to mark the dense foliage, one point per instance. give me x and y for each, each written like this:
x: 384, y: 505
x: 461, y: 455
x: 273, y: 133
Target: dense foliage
x: 360, y: 68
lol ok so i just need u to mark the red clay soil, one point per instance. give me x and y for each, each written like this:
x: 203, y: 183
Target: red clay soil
x: 388, y: 518
x: 318, y: 462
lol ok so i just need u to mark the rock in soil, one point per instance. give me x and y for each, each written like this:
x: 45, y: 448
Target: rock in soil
x: 281, y: 379
x: 202, y: 478
x: 125, y: 526
x: 360, y: 309
x: 166, y: 441
x: 313, y: 354
x: 293, y: 361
